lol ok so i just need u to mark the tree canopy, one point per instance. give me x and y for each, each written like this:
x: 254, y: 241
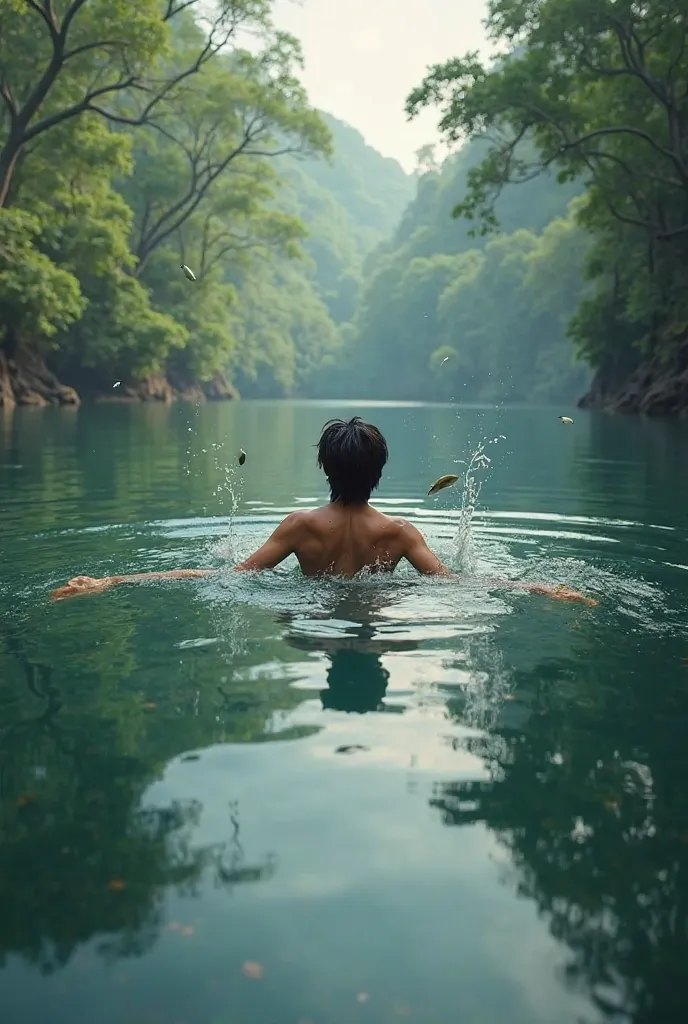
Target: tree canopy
x: 134, y: 140
x: 427, y: 325
x: 591, y: 91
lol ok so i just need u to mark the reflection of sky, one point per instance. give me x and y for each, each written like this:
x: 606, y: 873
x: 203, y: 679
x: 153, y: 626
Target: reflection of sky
x: 370, y: 893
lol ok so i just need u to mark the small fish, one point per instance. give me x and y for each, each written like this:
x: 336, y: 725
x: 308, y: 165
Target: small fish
x: 445, y: 360
x: 189, y: 273
x: 350, y: 749
x: 566, y: 419
x: 117, y: 383
x: 444, y: 481
x: 242, y: 456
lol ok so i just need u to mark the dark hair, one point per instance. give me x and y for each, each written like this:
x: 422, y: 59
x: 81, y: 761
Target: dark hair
x: 353, y: 455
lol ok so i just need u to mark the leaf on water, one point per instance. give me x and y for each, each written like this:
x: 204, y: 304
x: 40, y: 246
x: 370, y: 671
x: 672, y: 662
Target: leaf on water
x: 150, y: 705
x: 402, y: 1010
x: 362, y: 997
x: 117, y: 885
x: 252, y: 969
x: 174, y: 926
x: 24, y: 799
x: 187, y: 929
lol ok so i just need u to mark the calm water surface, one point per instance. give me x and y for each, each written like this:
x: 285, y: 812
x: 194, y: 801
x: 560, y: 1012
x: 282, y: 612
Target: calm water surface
x: 275, y: 801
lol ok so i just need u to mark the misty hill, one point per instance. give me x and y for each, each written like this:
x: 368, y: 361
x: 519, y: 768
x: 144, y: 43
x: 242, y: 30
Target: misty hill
x: 444, y: 314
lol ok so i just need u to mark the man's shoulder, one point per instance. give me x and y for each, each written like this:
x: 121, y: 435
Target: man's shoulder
x: 402, y: 524
x: 303, y: 519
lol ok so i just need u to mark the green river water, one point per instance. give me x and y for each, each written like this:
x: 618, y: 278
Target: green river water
x: 269, y: 800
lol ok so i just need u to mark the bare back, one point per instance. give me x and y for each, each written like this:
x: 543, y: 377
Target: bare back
x: 341, y: 540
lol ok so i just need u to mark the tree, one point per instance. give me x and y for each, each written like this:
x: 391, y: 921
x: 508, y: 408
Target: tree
x: 60, y: 59
x: 594, y: 91
x: 595, y: 85
x: 239, y: 111
x: 34, y: 293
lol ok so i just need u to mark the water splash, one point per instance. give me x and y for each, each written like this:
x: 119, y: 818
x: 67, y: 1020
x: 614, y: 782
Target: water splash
x: 231, y: 489
x: 463, y: 554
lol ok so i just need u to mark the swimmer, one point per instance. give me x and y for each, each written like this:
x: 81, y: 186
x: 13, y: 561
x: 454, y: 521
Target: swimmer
x: 341, y: 538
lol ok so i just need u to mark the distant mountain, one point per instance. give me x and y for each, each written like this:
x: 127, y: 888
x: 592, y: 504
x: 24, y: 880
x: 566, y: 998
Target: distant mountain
x: 442, y: 314
x: 349, y: 205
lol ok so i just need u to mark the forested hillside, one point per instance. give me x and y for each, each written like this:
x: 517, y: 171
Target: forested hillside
x: 347, y: 204
x: 135, y: 138
x: 593, y: 91
x: 447, y: 315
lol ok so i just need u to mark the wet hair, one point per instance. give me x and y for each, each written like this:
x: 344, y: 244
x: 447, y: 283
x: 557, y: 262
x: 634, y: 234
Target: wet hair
x: 352, y: 454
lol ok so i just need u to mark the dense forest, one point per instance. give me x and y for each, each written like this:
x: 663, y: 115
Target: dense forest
x: 135, y: 139
x: 445, y: 315
x: 543, y: 259
x: 590, y: 91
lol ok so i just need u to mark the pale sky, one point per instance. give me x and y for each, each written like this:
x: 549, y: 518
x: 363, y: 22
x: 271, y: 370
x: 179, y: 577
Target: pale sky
x: 363, y: 57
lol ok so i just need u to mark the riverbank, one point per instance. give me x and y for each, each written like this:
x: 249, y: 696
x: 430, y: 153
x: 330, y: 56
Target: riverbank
x: 656, y: 388
x: 29, y: 381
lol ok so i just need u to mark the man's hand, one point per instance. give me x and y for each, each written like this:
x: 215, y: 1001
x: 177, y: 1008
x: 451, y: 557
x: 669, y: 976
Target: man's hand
x: 561, y: 593
x: 83, y: 585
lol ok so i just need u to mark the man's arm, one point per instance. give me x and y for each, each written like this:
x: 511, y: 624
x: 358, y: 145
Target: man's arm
x: 420, y: 556
x: 277, y: 547
x: 89, y: 584
x: 417, y: 552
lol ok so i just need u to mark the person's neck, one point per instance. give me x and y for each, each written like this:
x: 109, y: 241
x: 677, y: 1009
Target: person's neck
x: 351, y: 506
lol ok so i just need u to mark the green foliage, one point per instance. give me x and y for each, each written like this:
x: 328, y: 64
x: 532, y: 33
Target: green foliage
x: 135, y: 139
x: 35, y: 294
x: 498, y: 309
x: 591, y: 90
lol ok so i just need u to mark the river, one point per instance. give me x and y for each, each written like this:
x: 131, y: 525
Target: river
x: 270, y: 800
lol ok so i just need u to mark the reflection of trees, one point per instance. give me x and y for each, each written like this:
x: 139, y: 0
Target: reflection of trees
x: 89, y: 716
x: 589, y: 798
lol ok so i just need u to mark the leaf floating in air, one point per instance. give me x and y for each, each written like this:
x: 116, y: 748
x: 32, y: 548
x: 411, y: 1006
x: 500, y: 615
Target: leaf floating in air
x: 566, y: 419
x: 242, y: 456
x: 253, y: 970
x: 444, y: 481
x: 188, y: 272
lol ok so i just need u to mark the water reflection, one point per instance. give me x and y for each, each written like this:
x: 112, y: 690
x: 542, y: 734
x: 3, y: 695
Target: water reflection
x: 356, y: 677
x: 595, y: 821
x: 85, y: 855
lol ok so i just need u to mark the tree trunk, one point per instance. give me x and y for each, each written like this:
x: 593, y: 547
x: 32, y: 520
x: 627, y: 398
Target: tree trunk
x: 8, y: 163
